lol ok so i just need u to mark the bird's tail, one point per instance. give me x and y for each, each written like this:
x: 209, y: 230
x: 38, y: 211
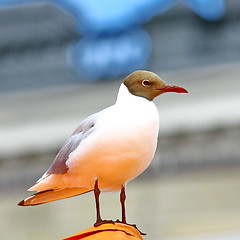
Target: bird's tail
x: 52, y: 195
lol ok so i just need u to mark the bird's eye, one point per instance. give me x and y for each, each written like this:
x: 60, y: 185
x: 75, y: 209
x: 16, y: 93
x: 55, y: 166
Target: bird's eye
x: 146, y: 82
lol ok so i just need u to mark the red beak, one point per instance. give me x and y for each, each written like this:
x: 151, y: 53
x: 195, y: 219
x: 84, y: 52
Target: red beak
x: 173, y: 88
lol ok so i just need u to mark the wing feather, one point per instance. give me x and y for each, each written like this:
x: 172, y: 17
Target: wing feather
x: 85, y: 128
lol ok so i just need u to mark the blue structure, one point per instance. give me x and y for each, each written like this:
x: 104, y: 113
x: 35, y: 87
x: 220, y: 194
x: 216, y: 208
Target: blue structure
x: 112, y: 55
x: 112, y: 41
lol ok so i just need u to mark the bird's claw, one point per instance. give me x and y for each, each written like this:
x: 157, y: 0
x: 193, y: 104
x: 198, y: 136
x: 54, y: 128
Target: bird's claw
x: 101, y: 222
x: 132, y: 225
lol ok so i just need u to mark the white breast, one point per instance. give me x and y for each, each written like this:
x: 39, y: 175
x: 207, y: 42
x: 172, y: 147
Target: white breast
x: 121, y: 147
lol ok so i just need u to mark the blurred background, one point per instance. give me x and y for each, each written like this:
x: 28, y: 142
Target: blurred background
x: 61, y: 61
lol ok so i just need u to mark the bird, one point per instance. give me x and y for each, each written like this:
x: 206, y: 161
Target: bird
x: 109, y: 148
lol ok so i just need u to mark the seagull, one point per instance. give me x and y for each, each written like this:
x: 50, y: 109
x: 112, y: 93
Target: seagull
x: 109, y: 148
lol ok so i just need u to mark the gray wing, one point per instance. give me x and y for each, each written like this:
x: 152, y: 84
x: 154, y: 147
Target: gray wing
x: 85, y: 128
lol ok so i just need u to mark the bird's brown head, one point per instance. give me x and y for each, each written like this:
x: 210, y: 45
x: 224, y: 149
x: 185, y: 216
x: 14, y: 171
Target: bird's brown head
x: 149, y: 85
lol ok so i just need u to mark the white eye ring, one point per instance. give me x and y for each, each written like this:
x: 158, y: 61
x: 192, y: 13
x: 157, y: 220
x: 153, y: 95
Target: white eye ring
x: 146, y: 82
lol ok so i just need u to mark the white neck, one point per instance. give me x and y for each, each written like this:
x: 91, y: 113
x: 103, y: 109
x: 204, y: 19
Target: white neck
x: 141, y: 110
x: 125, y: 97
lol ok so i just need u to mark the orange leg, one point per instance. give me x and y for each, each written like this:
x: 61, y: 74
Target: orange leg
x: 122, y: 200
x: 97, y: 194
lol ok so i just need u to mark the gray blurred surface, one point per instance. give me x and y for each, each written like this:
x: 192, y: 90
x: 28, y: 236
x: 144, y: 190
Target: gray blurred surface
x: 192, y: 185
x: 33, y: 44
x: 183, y: 206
